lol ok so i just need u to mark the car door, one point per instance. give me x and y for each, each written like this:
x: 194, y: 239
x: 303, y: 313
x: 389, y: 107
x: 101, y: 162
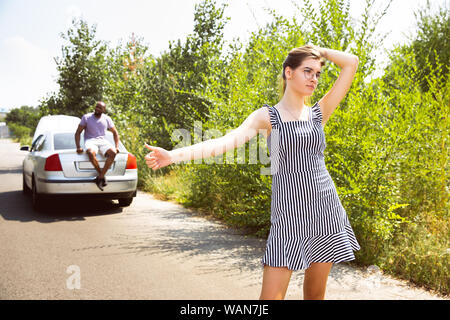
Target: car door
x: 29, y: 163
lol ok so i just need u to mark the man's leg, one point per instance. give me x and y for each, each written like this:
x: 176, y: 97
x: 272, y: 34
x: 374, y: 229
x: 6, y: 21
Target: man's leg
x: 93, y: 160
x: 110, y: 156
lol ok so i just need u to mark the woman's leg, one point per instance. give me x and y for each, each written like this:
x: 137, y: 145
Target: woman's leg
x: 315, y: 281
x: 275, y: 283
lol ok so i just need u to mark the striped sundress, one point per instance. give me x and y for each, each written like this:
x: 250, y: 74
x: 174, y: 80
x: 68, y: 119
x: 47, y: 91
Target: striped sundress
x: 308, y: 222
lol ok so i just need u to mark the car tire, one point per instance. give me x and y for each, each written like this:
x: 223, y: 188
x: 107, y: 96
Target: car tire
x: 25, y: 189
x: 125, y: 202
x: 35, y: 197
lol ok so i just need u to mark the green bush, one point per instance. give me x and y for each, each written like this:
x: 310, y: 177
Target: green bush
x: 21, y: 133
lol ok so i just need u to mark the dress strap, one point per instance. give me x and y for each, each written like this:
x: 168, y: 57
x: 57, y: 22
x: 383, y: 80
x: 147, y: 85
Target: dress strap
x: 274, y: 117
x: 317, y: 113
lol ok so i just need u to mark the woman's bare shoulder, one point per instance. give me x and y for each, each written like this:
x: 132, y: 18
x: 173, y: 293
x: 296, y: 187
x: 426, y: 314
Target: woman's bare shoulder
x: 263, y: 116
x: 258, y: 122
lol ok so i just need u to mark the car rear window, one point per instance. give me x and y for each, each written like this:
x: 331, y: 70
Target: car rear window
x: 62, y: 141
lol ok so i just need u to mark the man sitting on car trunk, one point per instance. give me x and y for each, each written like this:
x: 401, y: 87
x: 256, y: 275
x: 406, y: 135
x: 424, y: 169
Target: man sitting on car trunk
x: 94, y: 125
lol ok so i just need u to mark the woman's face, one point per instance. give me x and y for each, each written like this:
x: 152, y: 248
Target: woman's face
x: 304, y: 78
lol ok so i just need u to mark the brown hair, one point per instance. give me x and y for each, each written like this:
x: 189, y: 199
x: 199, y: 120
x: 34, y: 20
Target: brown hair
x: 295, y: 58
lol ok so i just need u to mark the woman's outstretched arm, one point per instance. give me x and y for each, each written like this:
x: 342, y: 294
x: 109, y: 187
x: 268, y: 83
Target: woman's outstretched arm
x: 348, y: 63
x: 258, y: 120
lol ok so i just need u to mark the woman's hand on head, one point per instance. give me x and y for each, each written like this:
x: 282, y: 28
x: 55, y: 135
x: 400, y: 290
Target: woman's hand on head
x: 321, y: 50
x: 157, y: 157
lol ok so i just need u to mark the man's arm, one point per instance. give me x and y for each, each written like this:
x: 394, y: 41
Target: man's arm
x: 77, y: 138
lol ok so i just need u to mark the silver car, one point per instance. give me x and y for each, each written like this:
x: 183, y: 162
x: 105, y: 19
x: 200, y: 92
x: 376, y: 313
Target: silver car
x: 52, y: 166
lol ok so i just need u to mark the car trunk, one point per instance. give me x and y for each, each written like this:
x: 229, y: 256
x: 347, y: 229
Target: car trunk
x: 76, y: 165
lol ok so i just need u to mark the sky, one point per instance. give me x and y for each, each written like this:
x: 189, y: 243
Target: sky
x: 30, y: 31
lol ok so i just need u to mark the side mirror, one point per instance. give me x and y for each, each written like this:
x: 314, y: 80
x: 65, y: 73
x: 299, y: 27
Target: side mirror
x: 25, y: 148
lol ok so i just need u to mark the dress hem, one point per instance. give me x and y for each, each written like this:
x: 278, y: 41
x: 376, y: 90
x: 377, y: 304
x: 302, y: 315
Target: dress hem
x: 298, y: 253
x: 306, y: 266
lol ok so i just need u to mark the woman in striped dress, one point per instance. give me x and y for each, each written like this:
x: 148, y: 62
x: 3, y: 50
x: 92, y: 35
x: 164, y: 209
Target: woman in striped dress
x: 309, y: 226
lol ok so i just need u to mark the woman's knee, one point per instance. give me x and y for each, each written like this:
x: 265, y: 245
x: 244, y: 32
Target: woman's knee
x: 315, y: 281
x: 275, y: 283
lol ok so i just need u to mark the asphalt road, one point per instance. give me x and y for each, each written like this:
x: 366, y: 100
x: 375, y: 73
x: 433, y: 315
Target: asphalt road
x: 151, y: 250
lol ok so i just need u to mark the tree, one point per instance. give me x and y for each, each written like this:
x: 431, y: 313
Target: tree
x: 81, y: 70
x: 25, y: 116
x: 430, y: 47
x: 22, y: 122
x: 432, y: 42
x: 171, y: 83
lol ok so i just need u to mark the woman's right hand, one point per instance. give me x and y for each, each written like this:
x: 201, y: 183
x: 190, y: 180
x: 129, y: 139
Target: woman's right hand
x: 157, y: 158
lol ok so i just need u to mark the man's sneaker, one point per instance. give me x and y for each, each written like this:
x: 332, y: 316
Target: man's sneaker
x: 98, y: 182
x: 104, y: 184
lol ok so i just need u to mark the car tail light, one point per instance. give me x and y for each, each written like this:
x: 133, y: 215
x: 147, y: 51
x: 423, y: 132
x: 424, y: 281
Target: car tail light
x: 53, y: 163
x: 131, y: 162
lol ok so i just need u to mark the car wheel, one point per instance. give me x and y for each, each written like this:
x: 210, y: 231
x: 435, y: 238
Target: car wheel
x: 125, y: 202
x: 25, y: 189
x: 35, y: 197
